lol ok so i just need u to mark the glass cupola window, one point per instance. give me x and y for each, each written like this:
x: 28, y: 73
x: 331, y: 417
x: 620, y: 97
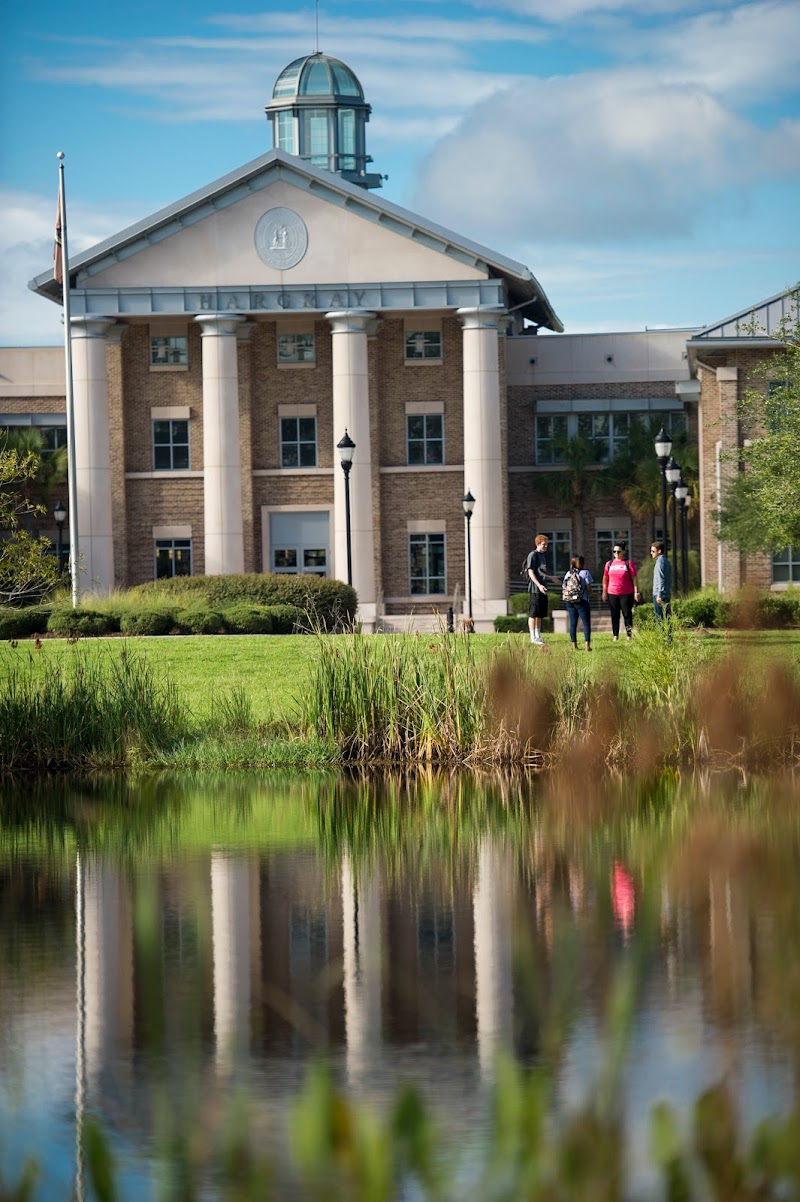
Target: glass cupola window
x: 318, y: 113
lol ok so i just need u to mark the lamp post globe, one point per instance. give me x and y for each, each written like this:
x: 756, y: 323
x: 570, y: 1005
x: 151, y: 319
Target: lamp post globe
x: 60, y: 515
x: 346, y: 448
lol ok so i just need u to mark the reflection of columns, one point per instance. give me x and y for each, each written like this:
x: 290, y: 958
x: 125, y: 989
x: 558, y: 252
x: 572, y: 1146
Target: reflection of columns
x: 362, y: 969
x: 493, y: 984
x: 92, y: 453
x: 351, y: 412
x: 107, y: 963
x: 483, y: 468
x: 230, y: 921
x: 222, y: 465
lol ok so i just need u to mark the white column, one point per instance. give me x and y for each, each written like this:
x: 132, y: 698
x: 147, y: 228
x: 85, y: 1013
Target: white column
x: 483, y: 466
x: 222, y: 462
x: 92, y: 453
x: 106, y: 962
x: 351, y: 412
x: 230, y: 923
x: 492, y: 916
x: 362, y: 970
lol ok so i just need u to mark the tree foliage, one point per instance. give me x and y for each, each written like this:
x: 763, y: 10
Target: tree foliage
x: 28, y: 568
x: 760, y: 504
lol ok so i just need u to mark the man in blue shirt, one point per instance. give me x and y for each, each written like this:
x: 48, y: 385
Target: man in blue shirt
x: 662, y: 582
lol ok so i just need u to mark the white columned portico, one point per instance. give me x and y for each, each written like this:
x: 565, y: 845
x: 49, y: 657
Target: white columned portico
x: 483, y: 467
x: 92, y: 452
x: 222, y: 465
x: 350, y: 329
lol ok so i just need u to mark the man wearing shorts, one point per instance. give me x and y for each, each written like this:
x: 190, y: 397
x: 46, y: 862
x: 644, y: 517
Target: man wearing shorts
x: 537, y: 588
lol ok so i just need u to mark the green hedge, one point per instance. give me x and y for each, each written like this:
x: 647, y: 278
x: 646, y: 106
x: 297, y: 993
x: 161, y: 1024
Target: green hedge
x: 328, y: 603
x: 511, y: 623
x: 23, y: 623
x: 147, y: 621
x: 518, y: 603
x: 747, y: 609
x: 248, y: 619
x: 87, y: 622
x: 199, y: 621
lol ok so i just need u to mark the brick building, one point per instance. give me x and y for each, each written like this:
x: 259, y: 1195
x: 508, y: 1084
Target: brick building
x: 223, y: 347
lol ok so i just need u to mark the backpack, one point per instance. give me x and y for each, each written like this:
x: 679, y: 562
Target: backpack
x: 572, y: 588
x: 525, y: 565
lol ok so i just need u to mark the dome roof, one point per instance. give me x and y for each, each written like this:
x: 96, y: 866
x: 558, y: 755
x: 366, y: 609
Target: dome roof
x: 317, y: 75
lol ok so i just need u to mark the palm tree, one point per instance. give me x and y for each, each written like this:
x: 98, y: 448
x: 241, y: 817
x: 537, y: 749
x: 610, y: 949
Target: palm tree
x: 27, y: 440
x: 635, y: 471
x: 574, y: 485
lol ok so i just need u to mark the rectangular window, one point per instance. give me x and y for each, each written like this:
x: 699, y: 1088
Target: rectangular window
x: 425, y: 438
x: 597, y: 428
x: 551, y: 437
x: 605, y: 541
x: 347, y: 140
x: 291, y: 560
x: 298, y: 442
x: 286, y: 131
x: 53, y: 438
x: 786, y: 566
x: 559, y: 552
x: 426, y: 560
x: 296, y: 348
x: 299, y: 542
x: 170, y: 445
x: 315, y: 136
x: 169, y: 352
x: 423, y: 345
x: 173, y: 557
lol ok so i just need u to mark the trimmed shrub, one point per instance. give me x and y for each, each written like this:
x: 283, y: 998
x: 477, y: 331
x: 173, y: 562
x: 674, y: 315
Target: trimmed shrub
x: 199, y: 621
x: 779, y: 611
x: 518, y: 603
x: 23, y: 623
x: 511, y: 623
x: 700, y: 609
x: 329, y: 603
x: 86, y: 622
x: 248, y: 619
x: 286, y: 619
x: 146, y: 621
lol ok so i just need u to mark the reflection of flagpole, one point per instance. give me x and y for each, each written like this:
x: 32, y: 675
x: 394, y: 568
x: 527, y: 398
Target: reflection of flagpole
x: 61, y: 273
x: 80, y: 1036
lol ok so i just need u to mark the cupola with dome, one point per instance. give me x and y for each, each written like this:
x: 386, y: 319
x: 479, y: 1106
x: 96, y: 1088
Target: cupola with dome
x: 318, y: 112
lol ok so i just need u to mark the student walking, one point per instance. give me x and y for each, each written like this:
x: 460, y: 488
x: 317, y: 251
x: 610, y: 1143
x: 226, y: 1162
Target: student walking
x: 662, y: 582
x: 537, y: 588
x: 575, y: 594
x: 620, y: 589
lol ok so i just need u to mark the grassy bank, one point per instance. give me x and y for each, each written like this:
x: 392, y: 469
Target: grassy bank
x: 300, y: 701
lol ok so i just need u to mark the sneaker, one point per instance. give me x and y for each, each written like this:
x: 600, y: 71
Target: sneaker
x: 588, y: 646
x: 616, y: 638
x: 538, y: 640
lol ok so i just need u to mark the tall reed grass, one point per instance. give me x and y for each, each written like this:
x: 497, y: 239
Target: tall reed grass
x: 88, y: 711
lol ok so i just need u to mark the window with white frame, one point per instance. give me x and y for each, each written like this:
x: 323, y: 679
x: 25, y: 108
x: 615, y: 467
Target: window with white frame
x: 169, y: 350
x: 606, y: 540
x: 286, y: 135
x: 423, y: 346
x: 298, y: 441
x: 53, y: 438
x: 170, y: 445
x: 551, y: 437
x: 559, y: 551
x: 426, y: 564
x: 425, y: 438
x: 786, y: 566
x: 173, y: 557
x: 296, y: 348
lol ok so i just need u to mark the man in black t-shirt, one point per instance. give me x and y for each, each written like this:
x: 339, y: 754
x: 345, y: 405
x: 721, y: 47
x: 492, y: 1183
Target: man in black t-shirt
x: 537, y: 587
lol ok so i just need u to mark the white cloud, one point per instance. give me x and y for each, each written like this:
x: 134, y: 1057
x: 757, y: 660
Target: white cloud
x: 598, y: 157
x: 27, y: 227
x: 568, y: 10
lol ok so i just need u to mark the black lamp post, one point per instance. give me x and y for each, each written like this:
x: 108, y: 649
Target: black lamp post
x: 468, y: 501
x: 682, y: 495
x: 345, y: 446
x: 60, y: 514
x: 663, y: 445
x: 673, y: 474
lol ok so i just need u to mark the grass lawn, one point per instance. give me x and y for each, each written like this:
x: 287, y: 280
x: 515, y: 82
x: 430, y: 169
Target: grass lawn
x: 273, y: 670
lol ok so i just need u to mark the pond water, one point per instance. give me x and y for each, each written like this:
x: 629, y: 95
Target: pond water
x: 166, y: 945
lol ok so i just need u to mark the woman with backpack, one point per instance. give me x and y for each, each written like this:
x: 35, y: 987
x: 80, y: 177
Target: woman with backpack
x: 620, y: 589
x: 575, y: 595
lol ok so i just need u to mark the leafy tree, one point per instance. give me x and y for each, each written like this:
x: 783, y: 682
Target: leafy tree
x: 636, y: 472
x: 574, y: 485
x: 760, y: 504
x: 28, y: 568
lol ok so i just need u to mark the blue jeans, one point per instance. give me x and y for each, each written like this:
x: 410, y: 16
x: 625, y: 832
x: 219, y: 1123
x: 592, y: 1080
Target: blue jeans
x: 577, y: 609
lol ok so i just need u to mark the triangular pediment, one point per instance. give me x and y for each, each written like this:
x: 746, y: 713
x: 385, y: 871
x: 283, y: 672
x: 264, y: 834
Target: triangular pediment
x: 277, y: 222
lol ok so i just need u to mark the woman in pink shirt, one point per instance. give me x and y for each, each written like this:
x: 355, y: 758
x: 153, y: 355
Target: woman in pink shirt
x: 620, y: 589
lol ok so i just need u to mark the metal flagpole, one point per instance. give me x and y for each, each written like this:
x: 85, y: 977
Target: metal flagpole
x: 61, y: 273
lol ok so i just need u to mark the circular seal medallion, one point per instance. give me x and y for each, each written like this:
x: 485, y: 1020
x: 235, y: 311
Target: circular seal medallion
x: 281, y: 238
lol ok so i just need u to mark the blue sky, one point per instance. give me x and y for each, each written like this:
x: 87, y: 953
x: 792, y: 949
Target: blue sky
x: 646, y: 168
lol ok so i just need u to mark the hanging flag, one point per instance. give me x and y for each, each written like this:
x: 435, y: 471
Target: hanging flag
x: 58, y: 258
